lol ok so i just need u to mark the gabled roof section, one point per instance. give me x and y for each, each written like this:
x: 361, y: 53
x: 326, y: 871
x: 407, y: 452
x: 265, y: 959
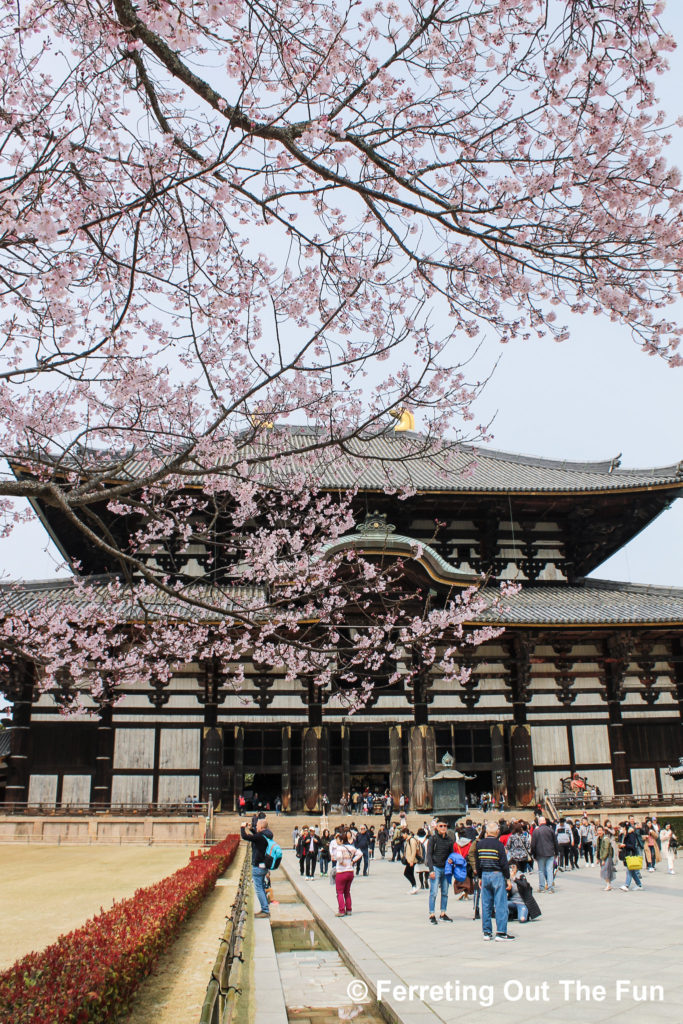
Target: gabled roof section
x: 593, y: 603
x: 388, y: 461
x: 396, y: 461
x: 588, y: 602
x: 377, y: 538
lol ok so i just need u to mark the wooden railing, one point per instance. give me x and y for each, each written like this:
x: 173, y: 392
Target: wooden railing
x: 83, y: 809
x: 224, y: 988
x: 581, y: 802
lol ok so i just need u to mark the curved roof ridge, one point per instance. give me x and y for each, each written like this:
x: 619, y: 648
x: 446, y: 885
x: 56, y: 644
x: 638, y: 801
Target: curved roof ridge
x: 609, y: 466
x: 636, y: 588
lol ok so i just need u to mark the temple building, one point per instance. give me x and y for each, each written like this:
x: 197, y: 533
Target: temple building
x: 587, y: 675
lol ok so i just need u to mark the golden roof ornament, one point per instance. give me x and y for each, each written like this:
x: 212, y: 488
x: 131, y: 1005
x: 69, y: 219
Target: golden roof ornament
x: 406, y: 420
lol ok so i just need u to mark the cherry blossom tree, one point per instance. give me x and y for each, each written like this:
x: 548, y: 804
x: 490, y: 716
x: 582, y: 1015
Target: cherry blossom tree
x: 219, y: 216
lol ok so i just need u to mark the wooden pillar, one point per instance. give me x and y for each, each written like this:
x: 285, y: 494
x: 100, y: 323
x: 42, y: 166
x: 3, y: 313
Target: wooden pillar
x: 616, y: 663
x: 212, y: 764
x: 19, y: 767
x: 210, y: 695
x: 518, y: 783
x: 677, y: 665
x: 498, y: 755
x: 286, y: 794
x: 524, y: 788
x: 346, y: 758
x: 311, y: 742
x: 239, y: 763
x: 396, y: 763
x: 104, y: 758
x: 422, y: 749
x: 324, y: 763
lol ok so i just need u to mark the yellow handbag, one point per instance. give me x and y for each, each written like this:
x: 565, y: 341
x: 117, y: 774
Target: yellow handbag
x: 634, y: 863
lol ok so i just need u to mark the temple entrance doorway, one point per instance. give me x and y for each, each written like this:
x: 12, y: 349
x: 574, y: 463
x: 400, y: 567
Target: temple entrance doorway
x: 261, y: 790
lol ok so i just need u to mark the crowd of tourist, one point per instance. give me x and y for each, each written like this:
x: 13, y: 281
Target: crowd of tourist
x: 491, y: 864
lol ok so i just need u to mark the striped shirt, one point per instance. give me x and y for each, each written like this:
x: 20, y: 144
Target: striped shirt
x: 490, y: 856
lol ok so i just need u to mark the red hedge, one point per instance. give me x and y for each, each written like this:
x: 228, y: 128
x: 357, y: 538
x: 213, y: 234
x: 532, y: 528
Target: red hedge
x: 89, y: 975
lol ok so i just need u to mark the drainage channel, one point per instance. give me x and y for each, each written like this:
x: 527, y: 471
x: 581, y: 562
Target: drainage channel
x: 315, y: 979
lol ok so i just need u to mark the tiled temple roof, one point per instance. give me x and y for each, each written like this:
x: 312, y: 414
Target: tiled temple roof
x: 390, y: 461
x: 411, y: 461
x: 593, y: 602
x: 586, y: 602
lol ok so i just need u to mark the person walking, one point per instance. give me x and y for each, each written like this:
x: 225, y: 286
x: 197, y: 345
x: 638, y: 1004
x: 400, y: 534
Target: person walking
x: 605, y: 853
x: 346, y: 855
x: 258, y: 836
x: 587, y: 834
x: 632, y: 852
x: 575, y: 848
x: 494, y: 874
x: 464, y: 846
x: 669, y: 844
x: 563, y: 832
x: 544, y: 850
x: 382, y: 837
x: 439, y: 849
x: 421, y: 869
x: 363, y: 844
x: 412, y: 853
x: 387, y: 809
x: 324, y: 851
x: 301, y: 848
x: 652, y: 847
x: 518, y: 847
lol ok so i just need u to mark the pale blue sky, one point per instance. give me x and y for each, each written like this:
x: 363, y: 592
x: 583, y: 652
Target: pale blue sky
x: 588, y: 399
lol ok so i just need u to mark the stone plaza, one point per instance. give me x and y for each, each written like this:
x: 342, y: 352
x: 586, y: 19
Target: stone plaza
x: 593, y: 956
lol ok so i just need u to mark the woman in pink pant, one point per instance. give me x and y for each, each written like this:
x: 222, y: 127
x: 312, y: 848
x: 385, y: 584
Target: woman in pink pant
x: 345, y: 856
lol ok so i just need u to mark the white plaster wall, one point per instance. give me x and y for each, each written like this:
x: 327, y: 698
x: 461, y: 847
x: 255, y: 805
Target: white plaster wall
x: 42, y: 789
x: 179, y: 748
x: 670, y: 785
x: 76, y: 789
x: 549, y: 745
x: 643, y: 780
x: 591, y: 744
x: 549, y: 781
x: 131, y: 789
x: 181, y: 701
x: 134, y: 748
x: 188, y: 719
x: 173, y: 789
x: 603, y: 779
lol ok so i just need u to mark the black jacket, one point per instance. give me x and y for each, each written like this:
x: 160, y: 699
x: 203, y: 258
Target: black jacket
x: 439, y: 849
x: 259, y: 844
x: 304, y: 845
x: 527, y: 894
x: 544, y: 842
x: 362, y: 841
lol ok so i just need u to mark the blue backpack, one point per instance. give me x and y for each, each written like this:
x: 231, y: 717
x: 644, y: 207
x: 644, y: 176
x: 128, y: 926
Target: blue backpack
x: 273, y: 854
x: 459, y: 867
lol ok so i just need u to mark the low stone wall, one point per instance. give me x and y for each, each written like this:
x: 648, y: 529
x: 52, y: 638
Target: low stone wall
x: 101, y: 828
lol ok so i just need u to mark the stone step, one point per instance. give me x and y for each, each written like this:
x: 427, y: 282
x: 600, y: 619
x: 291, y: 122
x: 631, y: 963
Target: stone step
x: 282, y: 825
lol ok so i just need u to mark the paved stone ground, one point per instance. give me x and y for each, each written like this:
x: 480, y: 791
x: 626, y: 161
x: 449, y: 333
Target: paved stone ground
x: 624, y: 942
